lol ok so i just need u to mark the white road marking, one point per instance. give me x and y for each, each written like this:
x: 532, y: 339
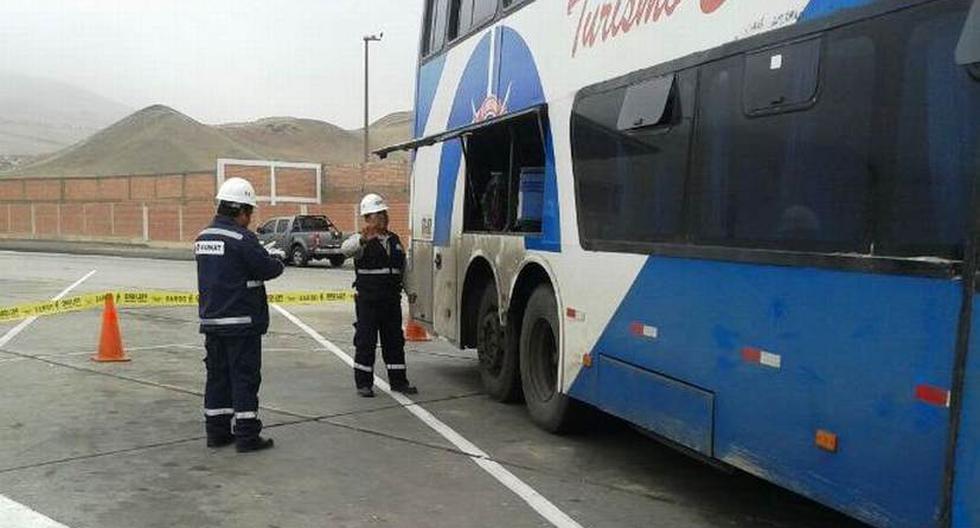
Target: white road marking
x: 14, y: 513
x: 535, y: 500
x: 12, y: 333
x: 29, y: 357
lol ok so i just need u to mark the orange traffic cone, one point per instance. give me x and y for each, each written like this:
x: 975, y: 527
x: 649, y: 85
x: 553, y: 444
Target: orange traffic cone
x: 110, y: 342
x: 415, y: 332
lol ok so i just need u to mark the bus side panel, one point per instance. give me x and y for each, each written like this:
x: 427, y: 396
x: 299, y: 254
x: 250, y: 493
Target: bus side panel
x: 683, y: 413
x: 783, y: 367
x: 429, y: 77
x: 966, y: 491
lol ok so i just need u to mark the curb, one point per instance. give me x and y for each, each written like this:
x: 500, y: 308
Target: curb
x: 102, y: 249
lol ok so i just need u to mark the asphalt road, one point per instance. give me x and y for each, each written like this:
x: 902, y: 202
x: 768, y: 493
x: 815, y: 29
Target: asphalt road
x: 121, y: 445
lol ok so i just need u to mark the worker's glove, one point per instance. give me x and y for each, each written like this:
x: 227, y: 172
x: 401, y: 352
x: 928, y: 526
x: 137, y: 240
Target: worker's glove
x: 274, y: 251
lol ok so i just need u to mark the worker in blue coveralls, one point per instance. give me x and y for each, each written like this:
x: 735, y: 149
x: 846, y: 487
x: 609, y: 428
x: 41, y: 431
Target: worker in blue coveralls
x: 379, y: 263
x: 231, y: 269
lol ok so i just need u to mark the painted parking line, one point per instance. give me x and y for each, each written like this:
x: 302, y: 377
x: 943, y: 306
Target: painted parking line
x: 14, y: 513
x: 23, y: 356
x: 535, y: 500
x: 12, y: 333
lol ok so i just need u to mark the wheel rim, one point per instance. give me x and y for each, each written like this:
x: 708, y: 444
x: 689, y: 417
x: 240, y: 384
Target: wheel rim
x: 488, y: 344
x: 543, y: 367
x: 297, y: 255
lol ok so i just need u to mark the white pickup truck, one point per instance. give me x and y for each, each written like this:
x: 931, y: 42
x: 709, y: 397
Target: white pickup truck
x: 304, y: 238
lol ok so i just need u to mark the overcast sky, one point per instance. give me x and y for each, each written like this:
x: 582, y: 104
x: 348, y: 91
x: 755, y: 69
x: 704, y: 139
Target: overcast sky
x: 221, y: 60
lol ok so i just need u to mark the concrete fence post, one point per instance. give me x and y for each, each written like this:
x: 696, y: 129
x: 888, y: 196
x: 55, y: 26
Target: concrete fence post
x: 272, y: 184
x: 146, y: 223
x: 33, y: 222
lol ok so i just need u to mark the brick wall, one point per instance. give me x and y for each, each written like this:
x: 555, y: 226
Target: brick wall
x: 36, y: 190
x: 127, y: 220
x: 299, y: 183
x: 173, y: 208
x: 11, y: 190
x: 47, y: 219
x: 20, y: 218
x: 97, y: 220
x: 4, y: 218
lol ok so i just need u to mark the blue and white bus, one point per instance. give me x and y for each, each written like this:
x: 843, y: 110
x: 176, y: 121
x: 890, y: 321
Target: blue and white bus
x: 748, y: 227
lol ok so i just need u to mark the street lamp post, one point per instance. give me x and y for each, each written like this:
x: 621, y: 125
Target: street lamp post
x: 367, y: 133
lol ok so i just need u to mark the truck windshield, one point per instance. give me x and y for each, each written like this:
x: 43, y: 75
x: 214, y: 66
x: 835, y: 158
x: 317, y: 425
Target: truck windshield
x: 313, y: 223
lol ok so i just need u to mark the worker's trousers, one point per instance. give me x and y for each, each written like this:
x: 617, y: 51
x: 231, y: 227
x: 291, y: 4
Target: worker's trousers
x: 379, y: 318
x: 234, y: 366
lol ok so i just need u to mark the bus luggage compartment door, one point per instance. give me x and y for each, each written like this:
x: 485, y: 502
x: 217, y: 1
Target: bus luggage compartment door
x: 419, y: 280
x: 672, y: 409
x: 965, y: 506
x: 444, y: 280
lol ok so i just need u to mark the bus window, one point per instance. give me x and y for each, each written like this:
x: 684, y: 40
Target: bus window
x: 434, y: 31
x: 782, y: 78
x: 934, y: 133
x: 465, y: 15
x: 796, y: 180
x: 483, y: 10
x: 630, y: 152
x: 504, y: 177
x: 968, y: 48
x: 647, y: 104
x: 460, y: 18
x: 427, y: 27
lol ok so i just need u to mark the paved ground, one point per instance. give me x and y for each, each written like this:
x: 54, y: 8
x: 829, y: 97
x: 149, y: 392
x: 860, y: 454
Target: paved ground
x: 122, y: 445
x: 95, y: 248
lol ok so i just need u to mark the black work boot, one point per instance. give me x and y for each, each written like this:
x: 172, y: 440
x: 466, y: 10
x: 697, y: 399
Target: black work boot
x: 252, y: 443
x: 365, y: 392
x: 220, y: 440
x: 218, y: 429
x: 405, y: 388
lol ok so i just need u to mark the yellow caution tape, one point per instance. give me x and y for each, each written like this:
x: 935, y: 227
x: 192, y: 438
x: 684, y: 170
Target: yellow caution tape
x: 132, y: 299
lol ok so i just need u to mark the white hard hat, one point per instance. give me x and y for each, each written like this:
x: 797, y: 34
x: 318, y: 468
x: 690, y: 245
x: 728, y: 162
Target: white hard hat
x: 373, y: 203
x: 237, y: 190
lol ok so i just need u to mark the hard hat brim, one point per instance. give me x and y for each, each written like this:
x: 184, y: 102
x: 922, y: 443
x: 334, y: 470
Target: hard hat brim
x: 366, y: 212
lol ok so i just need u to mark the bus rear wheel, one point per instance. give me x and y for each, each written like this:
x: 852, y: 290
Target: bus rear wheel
x: 539, y: 361
x: 498, y: 362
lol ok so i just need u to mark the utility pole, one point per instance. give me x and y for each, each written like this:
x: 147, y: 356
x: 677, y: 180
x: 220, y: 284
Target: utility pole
x: 368, y: 39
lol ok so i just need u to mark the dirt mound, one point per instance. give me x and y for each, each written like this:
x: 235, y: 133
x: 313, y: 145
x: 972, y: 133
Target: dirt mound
x: 161, y: 140
x: 317, y: 141
x: 155, y: 140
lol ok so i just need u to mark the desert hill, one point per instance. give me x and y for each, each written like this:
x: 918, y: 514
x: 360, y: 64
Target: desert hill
x: 160, y: 140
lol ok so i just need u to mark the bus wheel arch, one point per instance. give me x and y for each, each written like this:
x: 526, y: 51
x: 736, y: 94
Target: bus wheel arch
x: 534, y: 317
x: 479, y: 277
x: 482, y: 328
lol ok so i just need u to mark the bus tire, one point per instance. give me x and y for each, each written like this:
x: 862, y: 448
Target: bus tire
x: 498, y: 362
x: 539, y: 360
